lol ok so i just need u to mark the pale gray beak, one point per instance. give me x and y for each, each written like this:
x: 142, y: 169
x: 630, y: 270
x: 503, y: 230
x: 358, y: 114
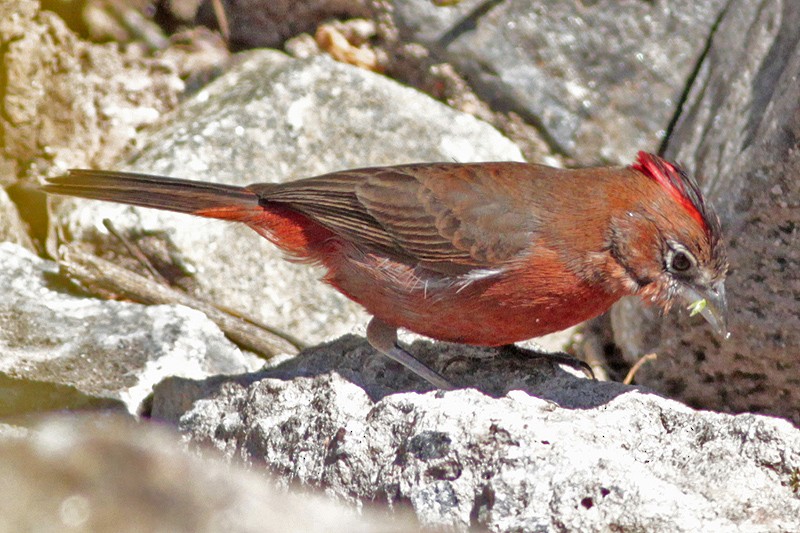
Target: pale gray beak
x: 715, y: 310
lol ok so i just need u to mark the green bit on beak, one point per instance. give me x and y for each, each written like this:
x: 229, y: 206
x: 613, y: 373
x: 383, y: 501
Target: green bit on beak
x: 696, y: 307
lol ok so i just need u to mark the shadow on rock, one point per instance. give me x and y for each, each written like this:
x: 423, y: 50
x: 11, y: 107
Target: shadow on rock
x: 491, y: 371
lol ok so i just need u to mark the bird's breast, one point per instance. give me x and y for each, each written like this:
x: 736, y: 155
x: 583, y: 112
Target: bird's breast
x: 485, y: 306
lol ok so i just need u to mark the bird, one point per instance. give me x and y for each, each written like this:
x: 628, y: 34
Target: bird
x: 484, y: 254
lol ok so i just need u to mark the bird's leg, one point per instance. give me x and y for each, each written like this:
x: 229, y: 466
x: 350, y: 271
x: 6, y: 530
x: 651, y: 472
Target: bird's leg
x: 383, y: 338
x: 561, y: 358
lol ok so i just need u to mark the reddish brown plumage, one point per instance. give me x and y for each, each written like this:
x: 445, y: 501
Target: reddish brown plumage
x: 484, y: 253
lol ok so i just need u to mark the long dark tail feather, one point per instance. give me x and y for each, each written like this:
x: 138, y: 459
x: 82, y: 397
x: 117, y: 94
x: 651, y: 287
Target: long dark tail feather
x: 172, y: 194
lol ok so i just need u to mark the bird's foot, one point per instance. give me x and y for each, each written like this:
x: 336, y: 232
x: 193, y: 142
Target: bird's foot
x: 561, y: 358
x: 383, y: 338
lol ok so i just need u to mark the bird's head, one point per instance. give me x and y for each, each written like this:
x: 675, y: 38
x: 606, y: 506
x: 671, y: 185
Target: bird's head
x: 670, y: 245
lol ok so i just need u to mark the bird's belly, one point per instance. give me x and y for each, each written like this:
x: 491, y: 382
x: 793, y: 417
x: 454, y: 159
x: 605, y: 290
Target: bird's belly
x: 492, y: 311
x: 484, y: 320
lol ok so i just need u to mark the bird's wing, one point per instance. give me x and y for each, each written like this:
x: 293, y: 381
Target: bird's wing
x: 448, y: 217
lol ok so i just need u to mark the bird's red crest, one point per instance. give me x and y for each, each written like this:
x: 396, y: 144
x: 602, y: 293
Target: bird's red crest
x: 676, y: 182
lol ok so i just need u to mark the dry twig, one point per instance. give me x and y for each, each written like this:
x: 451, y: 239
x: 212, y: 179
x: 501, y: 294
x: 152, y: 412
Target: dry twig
x: 635, y: 368
x: 98, y: 275
x: 222, y: 20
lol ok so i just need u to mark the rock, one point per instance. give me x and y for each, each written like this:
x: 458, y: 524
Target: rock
x: 600, y: 79
x: 61, y: 350
x: 12, y: 432
x: 268, y: 23
x: 739, y: 130
x: 109, y: 475
x: 275, y: 119
x: 12, y: 229
x: 561, y: 454
x: 487, y: 369
x: 67, y: 103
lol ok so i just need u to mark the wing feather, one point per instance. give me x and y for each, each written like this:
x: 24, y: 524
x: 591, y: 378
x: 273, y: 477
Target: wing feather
x: 432, y: 214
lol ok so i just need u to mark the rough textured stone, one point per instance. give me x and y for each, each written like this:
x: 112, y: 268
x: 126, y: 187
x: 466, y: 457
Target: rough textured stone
x: 60, y: 350
x: 487, y: 369
x: 602, y: 79
x: 584, y: 456
x: 275, y: 119
x: 113, y: 475
x: 69, y: 103
x: 739, y: 129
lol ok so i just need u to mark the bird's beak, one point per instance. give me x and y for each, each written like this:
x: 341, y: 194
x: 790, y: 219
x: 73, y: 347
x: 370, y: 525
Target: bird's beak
x: 715, y: 310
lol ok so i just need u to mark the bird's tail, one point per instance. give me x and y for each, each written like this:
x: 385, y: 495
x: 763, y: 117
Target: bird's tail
x: 213, y: 200
x: 300, y: 237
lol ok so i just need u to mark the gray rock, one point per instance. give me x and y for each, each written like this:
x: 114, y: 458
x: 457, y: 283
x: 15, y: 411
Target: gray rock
x: 572, y: 454
x: 274, y: 119
x: 739, y: 130
x: 112, y: 475
x: 601, y: 79
x: 61, y: 350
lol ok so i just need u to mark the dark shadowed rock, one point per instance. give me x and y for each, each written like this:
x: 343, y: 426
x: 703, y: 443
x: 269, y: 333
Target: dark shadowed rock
x: 267, y: 23
x: 491, y: 371
x: 740, y: 130
x: 12, y: 229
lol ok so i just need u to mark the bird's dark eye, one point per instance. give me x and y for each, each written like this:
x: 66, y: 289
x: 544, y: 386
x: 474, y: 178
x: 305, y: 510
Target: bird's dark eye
x: 681, y: 262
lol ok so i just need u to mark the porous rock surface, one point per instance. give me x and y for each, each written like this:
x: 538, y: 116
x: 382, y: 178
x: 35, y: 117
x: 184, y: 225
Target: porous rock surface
x: 739, y: 131
x: 524, y: 447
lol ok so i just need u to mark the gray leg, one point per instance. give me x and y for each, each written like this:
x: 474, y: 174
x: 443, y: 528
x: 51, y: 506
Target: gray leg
x: 383, y: 338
